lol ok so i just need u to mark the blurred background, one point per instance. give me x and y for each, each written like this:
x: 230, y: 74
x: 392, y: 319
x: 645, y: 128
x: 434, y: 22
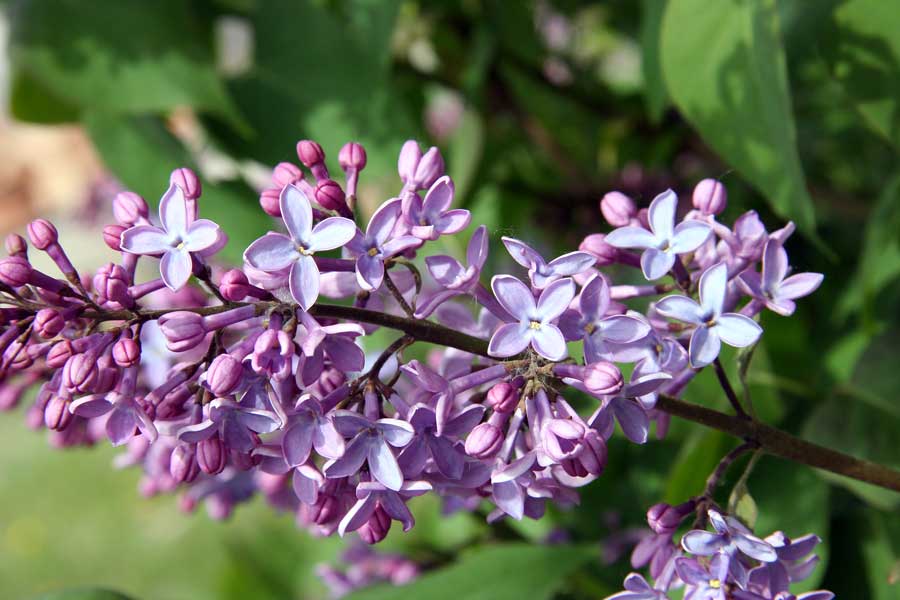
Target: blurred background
x: 539, y: 107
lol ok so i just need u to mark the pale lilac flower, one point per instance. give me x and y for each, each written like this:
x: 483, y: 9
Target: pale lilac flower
x: 712, y: 325
x: 774, y: 286
x: 234, y: 422
x: 309, y: 428
x: 371, y: 443
x: 508, y: 483
x: 730, y: 538
x: 336, y: 341
x: 540, y: 271
x: 448, y: 456
x: 535, y: 326
x: 592, y: 324
x: 373, y: 494
x: 665, y: 240
x: 276, y: 252
x: 373, y: 248
x: 637, y: 588
x: 452, y: 276
x: 125, y: 413
x: 430, y: 219
x: 627, y: 407
x: 176, y: 241
x: 703, y: 582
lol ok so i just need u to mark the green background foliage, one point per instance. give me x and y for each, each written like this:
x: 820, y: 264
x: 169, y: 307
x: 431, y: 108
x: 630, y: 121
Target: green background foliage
x: 794, y: 105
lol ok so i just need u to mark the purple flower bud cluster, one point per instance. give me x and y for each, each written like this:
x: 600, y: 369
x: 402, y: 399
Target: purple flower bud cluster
x: 223, y: 384
x: 728, y: 562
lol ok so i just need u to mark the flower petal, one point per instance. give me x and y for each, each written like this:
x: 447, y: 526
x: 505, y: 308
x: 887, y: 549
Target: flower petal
x: 296, y: 212
x: 509, y: 340
x: 774, y: 265
x: 756, y: 548
x: 326, y: 439
x: 713, y: 286
x: 572, y: 263
x: 622, y: 329
x: 396, y: 432
x: 175, y: 268
x: 662, y: 215
x: 383, y: 221
x: 173, y: 211
x: 514, y: 296
x: 680, y: 308
x: 555, y: 299
x: 737, y: 330
x: 201, y: 234
x: 446, y: 270
x: 358, y: 514
x: 656, y: 263
x: 704, y: 347
x: 632, y: 419
x: 689, y: 236
x: 630, y: 237
x: 383, y: 465
x: 331, y: 233
x: 799, y: 285
x: 297, y: 443
x: 400, y: 244
x: 437, y: 199
x: 304, y: 281
x: 702, y: 543
x: 353, y: 458
x: 369, y: 272
x: 120, y: 425
x: 509, y: 498
x: 477, y: 251
x: 271, y: 252
x: 396, y: 509
x: 145, y: 239
x: 453, y: 221
x: 522, y: 253
x: 594, y: 299
x: 549, y: 342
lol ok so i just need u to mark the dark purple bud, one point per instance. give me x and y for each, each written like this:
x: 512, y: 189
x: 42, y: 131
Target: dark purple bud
x: 643, y: 217
x: 285, y: 173
x: 187, y: 180
x: 15, y: 271
x: 16, y: 245
x: 352, y: 157
x: 126, y: 353
x: 42, y: 234
x: 242, y: 461
x: 664, y: 518
x: 376, y: 528
x: 710, y: 197
x: 56, y: 414
x: 112, y: 236
x: 234, y: 285
x: 617, y: 208
x: 111, y: 284
x: 129, y: 208
x: 59, y: 354
x: 183, y: 465
x: 269, y: 201
x: 591, y: 460
x: 595, y: 245
x: 429, y: 169
x: 80, y: 372
x: 211, y: 455
x: 330, y: 195
x: 325, y: 510
x: 484, y: 441
x: 603, y: 378
x: 503, y: 397
x: 183, y: 330
x: 310, y: 153
x: 48, y: 322
x: 107, y: 376
x: 410, y: 155
x: 224, y: 375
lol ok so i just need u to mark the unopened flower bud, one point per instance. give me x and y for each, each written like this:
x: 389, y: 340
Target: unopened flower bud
x: 126, y: 353
x: 112, y: 236
x: 325, y: 510
x: 286, y: 173
x: 376, y: 528
x: 234, y: 285
x: 211, y: 455
x: 503, y: 397
x: 484, y: 441
x: 129, y: 208
x: 16, y: 245
x: 595, y: 244
x: 352, y: 157
x: 224, y: 375
x: 183, y: 465
x: 310, y: 153
x: 617, y: 208
x: 269, y: 200
x: 710, y: 197
x: 42, y: 233
x: 602, y: 378
x: 80, y: 373
x: 330, y: 195
x: 111, y: 284
x: 429, y: 169
x: 15, y: 271
x: 410, y: 155
x: 59, y: 354
x: 188, y: 181
x: 48, y: 322
x: 183, y: 330
x: 56, y: 414
x: 664, y: 518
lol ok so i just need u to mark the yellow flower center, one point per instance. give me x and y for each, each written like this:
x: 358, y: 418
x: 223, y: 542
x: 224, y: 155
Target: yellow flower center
x: 715, y: 584
x: 589, y: 328
x: 534, y: 325
x: 373, y: 251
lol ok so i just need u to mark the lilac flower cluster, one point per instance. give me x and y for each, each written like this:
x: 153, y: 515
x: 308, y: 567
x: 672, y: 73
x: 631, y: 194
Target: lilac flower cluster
x: 225, y: 383
x: 728, y: 562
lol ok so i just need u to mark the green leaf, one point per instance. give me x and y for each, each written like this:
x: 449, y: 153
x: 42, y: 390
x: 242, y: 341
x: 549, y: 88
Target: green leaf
x: 655, y: 94
x: 724, y: 67
x: 142, y: 154
x: 30, y: 101
x: 742, y: 505
x: 863, y: 52
x: 124, y: 56
x: 83, y: 594
x: 501, y: 572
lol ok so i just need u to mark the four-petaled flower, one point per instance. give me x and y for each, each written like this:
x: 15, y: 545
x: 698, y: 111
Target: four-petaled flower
x: 176, y: 241
x: 637, y: 588
x: 535, y: 324
x: 372, y: 494
x: 371, y: 443
x: 773, y: 286
x: 375, y: 246
x: 540, y: 271
x: 704, y: 582
x: 712, y: 325
x: 452, y: 276
x: 665, y: 240
x: 275, y: 251
x: 430, y: 219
